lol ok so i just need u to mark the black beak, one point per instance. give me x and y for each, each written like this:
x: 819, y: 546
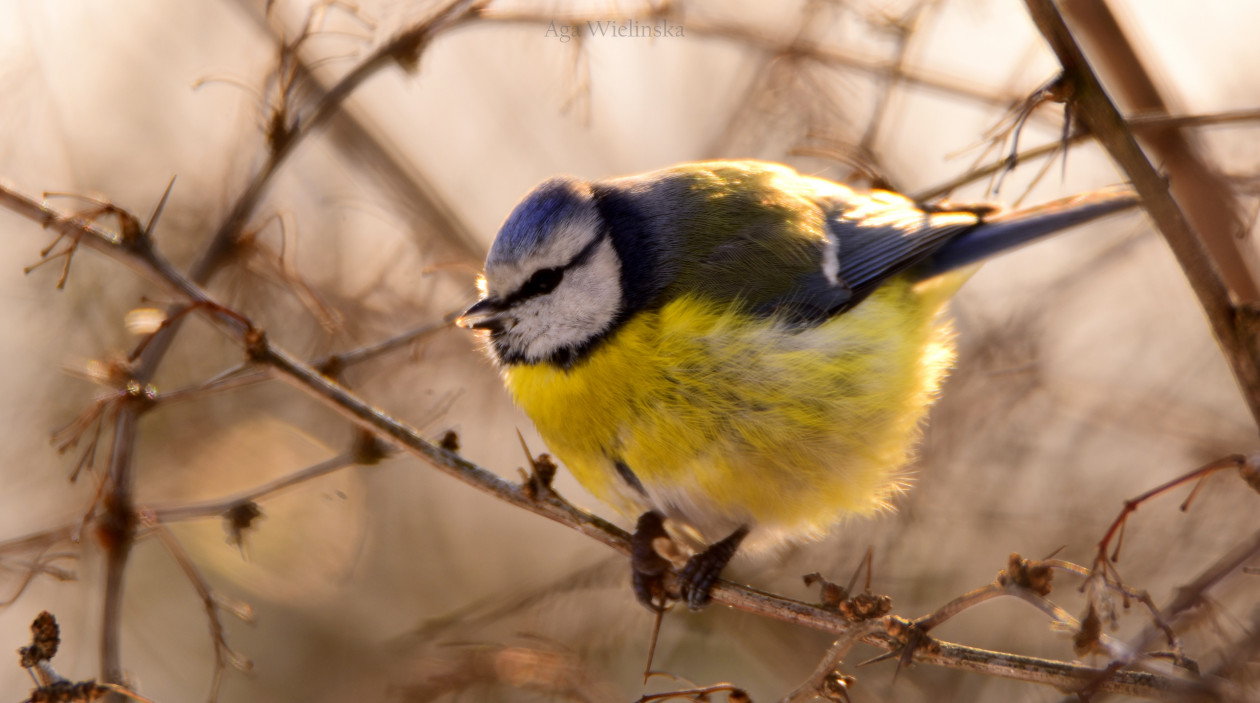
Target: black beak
x: 483, y: 315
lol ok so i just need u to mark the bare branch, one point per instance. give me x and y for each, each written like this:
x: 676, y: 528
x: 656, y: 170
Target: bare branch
x: 219, y: 506
x: 1199, y: 188
x: 1235, y: 327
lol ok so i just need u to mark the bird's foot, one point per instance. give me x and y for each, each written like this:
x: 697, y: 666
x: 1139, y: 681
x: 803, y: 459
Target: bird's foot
x: 696, y: 579
x: 648, y: 547
x: 648, y: 566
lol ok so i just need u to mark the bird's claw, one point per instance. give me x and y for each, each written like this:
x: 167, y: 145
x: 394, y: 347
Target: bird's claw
x: 695, y: 579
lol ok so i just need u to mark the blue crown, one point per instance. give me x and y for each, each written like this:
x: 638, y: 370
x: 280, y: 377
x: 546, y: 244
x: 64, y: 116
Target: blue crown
x: 542, y: 211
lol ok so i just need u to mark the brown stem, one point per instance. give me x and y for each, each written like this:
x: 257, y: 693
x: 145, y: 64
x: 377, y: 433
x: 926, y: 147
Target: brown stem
x: 1235, y: 328
x: 1201, y: 190
x: 217, y: 506
x: 116, y: 529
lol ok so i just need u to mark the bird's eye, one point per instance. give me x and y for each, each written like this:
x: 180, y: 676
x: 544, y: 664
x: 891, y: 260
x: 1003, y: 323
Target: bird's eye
x: 542, y: 282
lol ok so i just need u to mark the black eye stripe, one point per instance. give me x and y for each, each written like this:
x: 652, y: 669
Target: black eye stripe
x: 543, y: 281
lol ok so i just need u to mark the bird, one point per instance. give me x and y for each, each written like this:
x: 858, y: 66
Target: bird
x: 741, y: 355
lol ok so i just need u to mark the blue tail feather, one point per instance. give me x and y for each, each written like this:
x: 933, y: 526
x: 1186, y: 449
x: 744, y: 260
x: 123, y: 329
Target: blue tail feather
x: 1004, y: 231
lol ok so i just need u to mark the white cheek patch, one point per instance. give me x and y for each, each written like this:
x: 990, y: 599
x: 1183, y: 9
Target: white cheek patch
x: 581, y: 308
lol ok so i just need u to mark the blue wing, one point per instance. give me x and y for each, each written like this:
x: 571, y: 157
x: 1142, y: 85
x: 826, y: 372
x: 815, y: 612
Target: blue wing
x: 798, y: 247
x: 888, y: 234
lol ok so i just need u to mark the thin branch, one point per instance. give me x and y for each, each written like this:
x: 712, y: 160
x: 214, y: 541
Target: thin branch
x: 824, y: 672
x: 239, y: 376
x: 39, y: 565
x: 1235, y: 328
x: 223, y: 654
x: 358, y: 141
x: 1142, y: 124
x: 246, y: 374
x: 1187, y: 599
x: 43, y: 539
x: 401, y: 340
x: 1199, y: 188
x: 116, y: 528
x: 1235, y: 461
x: 1140, y: 596
x: 404, y: 48
x: 1008, y: 586
x: 902, y: 29
x: 216, y: 507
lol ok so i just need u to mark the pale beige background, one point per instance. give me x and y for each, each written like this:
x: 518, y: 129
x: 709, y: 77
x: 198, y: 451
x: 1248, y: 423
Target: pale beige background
x: 1084, y: 379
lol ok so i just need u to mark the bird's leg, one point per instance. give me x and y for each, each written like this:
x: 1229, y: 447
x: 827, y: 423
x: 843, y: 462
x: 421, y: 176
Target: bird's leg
x: 696, y: 579
x: 648, y: 566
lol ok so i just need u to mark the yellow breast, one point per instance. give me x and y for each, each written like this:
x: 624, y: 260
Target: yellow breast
x: 729, y: 419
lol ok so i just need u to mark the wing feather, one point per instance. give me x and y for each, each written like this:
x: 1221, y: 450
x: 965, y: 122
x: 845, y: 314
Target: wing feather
x: 761, y: 237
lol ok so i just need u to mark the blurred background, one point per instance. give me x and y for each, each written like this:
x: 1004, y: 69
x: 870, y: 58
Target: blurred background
x: 1087, y: 374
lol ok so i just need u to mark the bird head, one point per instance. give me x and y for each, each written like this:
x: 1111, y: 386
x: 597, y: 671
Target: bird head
x: 552, y: 281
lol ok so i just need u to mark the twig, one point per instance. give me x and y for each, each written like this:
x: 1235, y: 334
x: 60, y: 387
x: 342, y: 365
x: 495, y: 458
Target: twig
x: 219, y: 506
x: 902, y: 29
x: 116, y: 528
x: 1009, y: 586
x: 491, y: 609
x: 39, y: 566
x: 407, y: 185
x: 967, y: 600
x: 245, y: 374
x: 367, y: 352
x: 223, y: 654
x: 1188, y: 597
x: 404, y: 47
x: 1235, y: 328
x: 1101, y: 561
x: 1199, y: 188
x: 1140, y: 596
x: 1141, y: 124
x: 810, y: 688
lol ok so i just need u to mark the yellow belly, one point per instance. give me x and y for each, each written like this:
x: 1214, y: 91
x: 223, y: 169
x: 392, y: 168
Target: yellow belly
x: 728, y: 419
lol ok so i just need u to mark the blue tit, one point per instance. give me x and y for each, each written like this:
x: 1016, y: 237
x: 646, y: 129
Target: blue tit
x: 732, y: 349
